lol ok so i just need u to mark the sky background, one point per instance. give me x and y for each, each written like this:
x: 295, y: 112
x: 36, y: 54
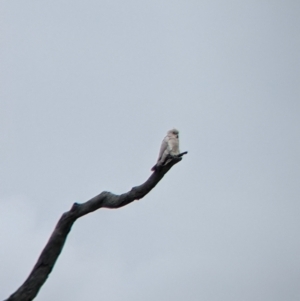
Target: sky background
x: 88, y: 91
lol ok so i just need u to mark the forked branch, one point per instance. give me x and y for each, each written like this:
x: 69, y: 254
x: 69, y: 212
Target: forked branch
x: 40, y: 272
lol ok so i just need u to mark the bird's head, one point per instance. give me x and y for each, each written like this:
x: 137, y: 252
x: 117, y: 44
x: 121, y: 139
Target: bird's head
x: 173, y: 132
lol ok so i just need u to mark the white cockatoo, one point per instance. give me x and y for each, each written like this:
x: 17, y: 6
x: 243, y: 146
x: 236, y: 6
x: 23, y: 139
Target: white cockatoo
x: 169, y: 146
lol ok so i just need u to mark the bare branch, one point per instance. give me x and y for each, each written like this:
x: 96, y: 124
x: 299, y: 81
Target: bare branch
x: 181, y: 154
x: 40, y: 272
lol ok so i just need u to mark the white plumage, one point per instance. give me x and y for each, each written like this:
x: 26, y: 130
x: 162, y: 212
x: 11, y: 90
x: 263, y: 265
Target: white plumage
x: 169, y: 146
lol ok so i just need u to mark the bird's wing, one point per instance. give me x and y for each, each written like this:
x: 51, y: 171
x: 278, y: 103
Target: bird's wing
x: 163, y: 148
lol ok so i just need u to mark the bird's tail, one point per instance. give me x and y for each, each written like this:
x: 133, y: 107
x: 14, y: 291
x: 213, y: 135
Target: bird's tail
x: 154, y: 168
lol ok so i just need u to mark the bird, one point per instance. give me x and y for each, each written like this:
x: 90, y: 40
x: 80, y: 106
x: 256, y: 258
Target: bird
x: 169, y: 147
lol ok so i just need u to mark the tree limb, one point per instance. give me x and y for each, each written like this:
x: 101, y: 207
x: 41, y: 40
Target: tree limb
x: 40, y: 272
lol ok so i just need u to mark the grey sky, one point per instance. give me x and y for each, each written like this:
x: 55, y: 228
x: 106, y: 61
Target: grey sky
x: 89, y: 90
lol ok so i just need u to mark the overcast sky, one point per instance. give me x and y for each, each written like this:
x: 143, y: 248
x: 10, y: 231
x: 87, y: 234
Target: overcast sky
x: 88, y: 91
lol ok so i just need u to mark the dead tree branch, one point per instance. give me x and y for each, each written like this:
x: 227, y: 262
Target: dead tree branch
x: 40, y: 272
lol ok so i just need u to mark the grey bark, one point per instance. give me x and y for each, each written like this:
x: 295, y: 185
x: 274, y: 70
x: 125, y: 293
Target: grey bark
x: 40, y: 272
